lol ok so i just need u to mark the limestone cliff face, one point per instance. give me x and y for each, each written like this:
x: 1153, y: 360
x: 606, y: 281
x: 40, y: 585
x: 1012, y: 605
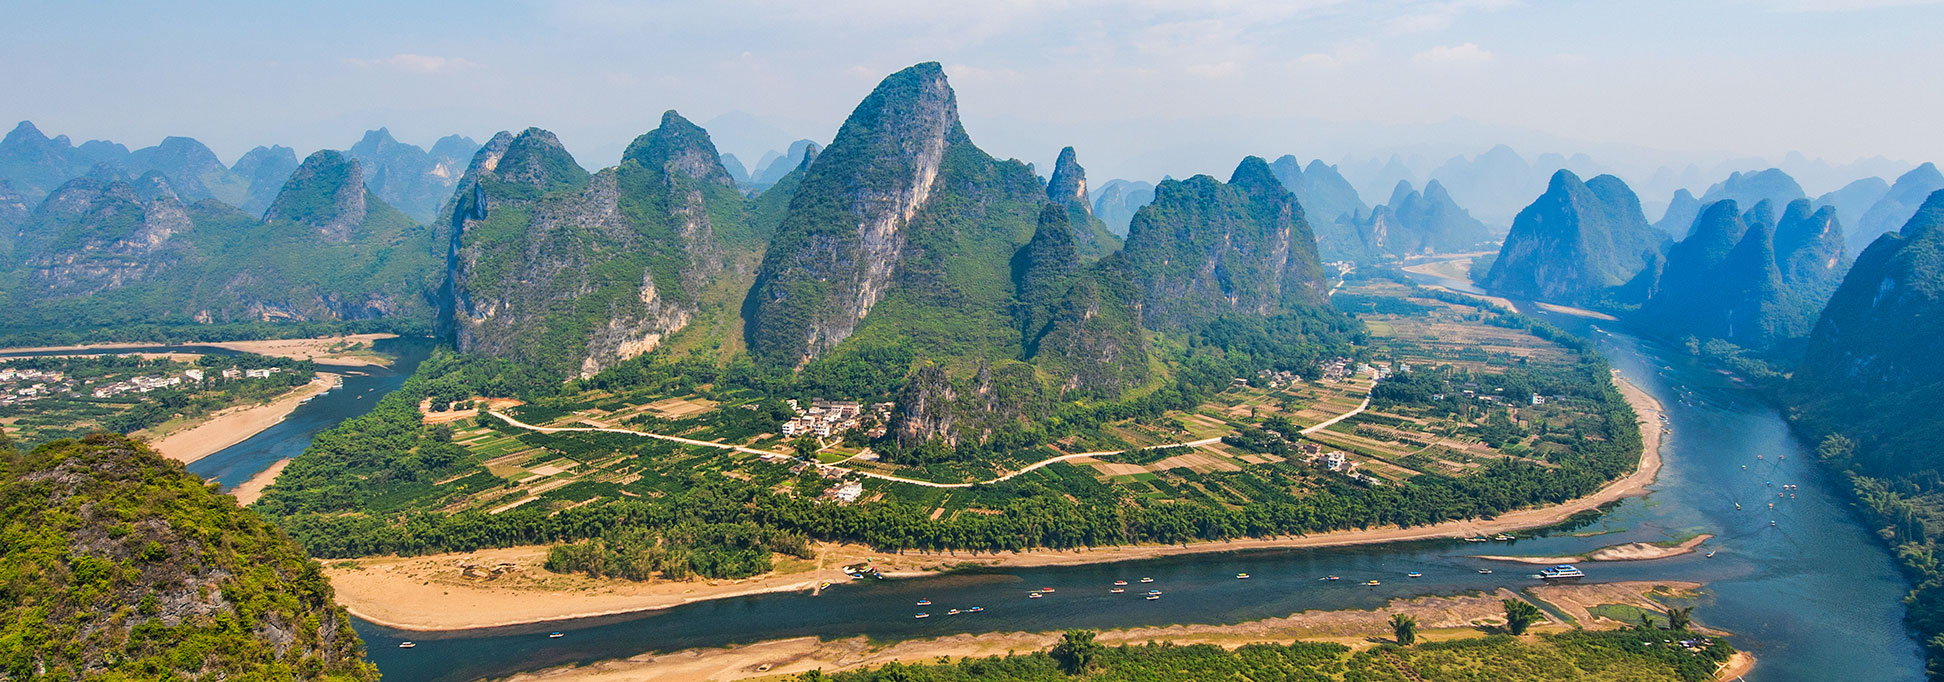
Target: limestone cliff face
x: 1575, y: 242
x: 845, y: 232
x: 326, y: 193
x: 575, y: 273
x: 933, y: 406
x: 99, y: 232
x: 1203, y: 248
x: 1068, y: 186
x: 1068, y: 189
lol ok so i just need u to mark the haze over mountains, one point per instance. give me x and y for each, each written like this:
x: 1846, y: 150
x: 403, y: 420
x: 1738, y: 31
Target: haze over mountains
x: 407, y: 176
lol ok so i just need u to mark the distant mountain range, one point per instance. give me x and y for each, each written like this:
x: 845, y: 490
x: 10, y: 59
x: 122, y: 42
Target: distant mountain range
x: 106, y: 250
x: 406, y: 176
x: 1117, y: 200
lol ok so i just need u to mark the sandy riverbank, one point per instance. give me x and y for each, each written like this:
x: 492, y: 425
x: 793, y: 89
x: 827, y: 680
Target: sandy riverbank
x: 236, y: 424
x: 435, y: 592
x: 352, y: 349
x: 427, y: 593
x: 247, y: 493
x: 1632, y: 551
x: 1439, y: 617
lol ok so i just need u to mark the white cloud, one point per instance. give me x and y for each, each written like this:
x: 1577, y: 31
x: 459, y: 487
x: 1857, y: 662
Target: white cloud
x: 1468, y: 53
x: 1437, y: 16
x: 418, y: 63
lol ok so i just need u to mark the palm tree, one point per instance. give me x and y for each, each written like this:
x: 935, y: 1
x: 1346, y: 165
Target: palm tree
x: 1519, y: 615
x: 1077, y: 651
x: 1680, y: 618
x: 1405, y: 628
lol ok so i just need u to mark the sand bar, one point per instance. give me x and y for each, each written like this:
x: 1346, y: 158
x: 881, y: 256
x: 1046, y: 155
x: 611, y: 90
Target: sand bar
x: 1439, y: 617
x: 247, y: 493
x: 1632, y: 551
x: 237, y: 424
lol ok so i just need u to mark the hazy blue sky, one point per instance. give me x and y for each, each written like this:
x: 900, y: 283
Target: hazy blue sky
x: 1142, y: 88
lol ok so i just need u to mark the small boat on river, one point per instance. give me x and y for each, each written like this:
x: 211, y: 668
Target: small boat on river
x: 1120, y: 583
x: 406, y: 645
x: 1147, y: 580
x: 1035, y: 595
x: 1330, y: 578
x: 556, y: 635
x: 1484, y: 571
x: 922, y: 615
x: 952, y: 612
x: 1117, y: 590
x: 924, y: 602
x: 1561, y: 572
x: 1241, y: 576
x: 975, y: 609
x: 1414, y: 574
x: 1372, y: 583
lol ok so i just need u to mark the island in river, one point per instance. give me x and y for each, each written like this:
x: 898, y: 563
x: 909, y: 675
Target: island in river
x: 438, y: 592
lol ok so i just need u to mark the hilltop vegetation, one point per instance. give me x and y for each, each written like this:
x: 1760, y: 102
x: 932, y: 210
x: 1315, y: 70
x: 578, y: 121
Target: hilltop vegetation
x: 117, y: 564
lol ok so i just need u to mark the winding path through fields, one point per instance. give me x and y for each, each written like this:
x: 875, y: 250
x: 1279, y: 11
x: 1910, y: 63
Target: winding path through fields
x: 887, y: 477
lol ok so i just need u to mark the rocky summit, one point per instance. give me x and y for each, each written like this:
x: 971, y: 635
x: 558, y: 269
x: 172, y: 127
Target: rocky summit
x: 851, y: 221
x: 1574, y: 243
x: 1068, y: 189
x: 572, y: 272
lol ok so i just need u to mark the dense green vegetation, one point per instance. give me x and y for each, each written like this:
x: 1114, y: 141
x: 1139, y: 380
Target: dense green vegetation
x: 720, y: 550
x: 1866, y: 391
x: 350, y: 494
x: 1593, y: 656
x: 116, y: 564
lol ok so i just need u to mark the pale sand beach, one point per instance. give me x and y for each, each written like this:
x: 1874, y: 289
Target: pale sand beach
x: 236, y: 424
x: 1632, y: 551
x: 247, y: 493
x: 1439, y: 617
x: 425, y: 593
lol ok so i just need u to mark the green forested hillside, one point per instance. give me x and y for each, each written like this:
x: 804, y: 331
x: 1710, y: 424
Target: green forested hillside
x: 1868, y: 388
x: 572, y: 273
x: 116, y: 564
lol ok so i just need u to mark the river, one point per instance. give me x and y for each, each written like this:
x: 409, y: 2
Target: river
x: 1813, y: 596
